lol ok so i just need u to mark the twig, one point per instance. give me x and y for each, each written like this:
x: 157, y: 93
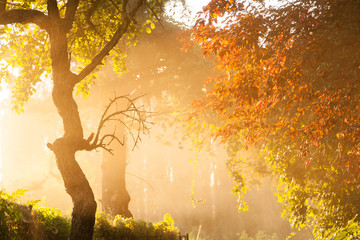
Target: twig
x: 157, y: 18
x: 130, y: 112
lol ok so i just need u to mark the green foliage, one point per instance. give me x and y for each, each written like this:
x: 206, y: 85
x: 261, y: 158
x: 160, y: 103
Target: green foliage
x: 350, y: 231
x: 55, y: 225
x: 10, y: 214
x: 25, y: 48
x: 41, y: 222
x: 132, y: 229
x: 259, y: 236
x: 27, y: 222
x: 26, y: 67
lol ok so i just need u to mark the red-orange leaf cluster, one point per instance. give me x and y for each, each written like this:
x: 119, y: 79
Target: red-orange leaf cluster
x: 289, y: 83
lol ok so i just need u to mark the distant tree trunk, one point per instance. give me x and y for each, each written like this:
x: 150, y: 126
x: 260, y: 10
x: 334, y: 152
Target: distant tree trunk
x: 115, y: 197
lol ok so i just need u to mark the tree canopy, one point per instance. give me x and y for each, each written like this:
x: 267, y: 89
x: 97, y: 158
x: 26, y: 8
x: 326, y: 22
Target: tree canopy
x: 93, y: 30
x: 288, y: 84
x: 70, y: 39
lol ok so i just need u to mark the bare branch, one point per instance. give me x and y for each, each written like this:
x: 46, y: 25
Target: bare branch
x: 71, y: 8
x: 142, y: 179
x: 25, y: 16
x: 131, y: 117
x: 107, y: 149
x: 112, y: 138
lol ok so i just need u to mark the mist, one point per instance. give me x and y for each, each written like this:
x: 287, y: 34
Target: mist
x: 163, y: 173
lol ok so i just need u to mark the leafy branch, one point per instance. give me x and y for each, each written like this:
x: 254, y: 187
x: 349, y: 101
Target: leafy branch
x: 119, y: 33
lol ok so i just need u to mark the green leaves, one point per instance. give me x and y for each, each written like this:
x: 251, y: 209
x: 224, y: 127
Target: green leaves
x: 148, y: 26
x: 130, y: 228
x: 26, y: 61
x: 350, y: 231
x: 25, y: 48
x: 10, y: 214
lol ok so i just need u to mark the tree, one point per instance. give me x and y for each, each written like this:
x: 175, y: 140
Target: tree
x: 166, y: 75
x: 288, y: 84
x: 54, y: 36
x: 115, y: 198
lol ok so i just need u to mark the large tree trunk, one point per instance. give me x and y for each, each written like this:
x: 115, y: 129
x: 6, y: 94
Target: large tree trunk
x: 76, y: 184
x: 83, y: 215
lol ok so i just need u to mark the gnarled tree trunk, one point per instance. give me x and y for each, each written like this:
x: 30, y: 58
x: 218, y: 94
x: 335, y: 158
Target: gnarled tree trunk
x: 76, y: 184
x: 58, y: 26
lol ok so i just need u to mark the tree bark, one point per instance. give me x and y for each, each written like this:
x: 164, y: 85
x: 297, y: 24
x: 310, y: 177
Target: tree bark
x: 115, y: 197
x: 76, y: 184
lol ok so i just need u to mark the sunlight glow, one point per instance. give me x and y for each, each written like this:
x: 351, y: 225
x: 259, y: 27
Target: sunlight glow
x: 176, y: 11
x: 14, y: 71
x: 171, y: 174
x: 5, y: 94
x: 0, y: 157
x: 0, y: 164
x: 212, y: 179
x: 5, y: 91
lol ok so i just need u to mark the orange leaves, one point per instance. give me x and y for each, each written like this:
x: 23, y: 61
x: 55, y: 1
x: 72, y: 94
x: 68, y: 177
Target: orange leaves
x: 283, y: 60
x: 292, y: 137
x: 303, y: 59
x: 307, y: 162
x: 274, y: 55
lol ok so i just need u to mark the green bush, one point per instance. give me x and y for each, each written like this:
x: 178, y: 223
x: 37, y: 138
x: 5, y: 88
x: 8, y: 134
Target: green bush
x: 10, y: 214
x: 30, y: 221
x: 131, y: 229
x: 54, y: 226
x: 350, y: 231
x: 259, y: 236
x: 37, y: 221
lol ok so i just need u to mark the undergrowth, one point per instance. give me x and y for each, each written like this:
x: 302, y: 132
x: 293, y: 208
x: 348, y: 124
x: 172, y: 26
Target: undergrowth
x: 34, y: 220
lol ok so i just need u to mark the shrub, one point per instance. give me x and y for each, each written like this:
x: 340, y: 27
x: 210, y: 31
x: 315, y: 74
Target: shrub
x: 52, y: 224
x: 10, y: 214
x: 350, y: 231
x: 131, y: 229
x: 37, y: 221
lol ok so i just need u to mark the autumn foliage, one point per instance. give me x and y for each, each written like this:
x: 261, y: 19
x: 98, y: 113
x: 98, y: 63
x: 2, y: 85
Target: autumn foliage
x: 288, y: 83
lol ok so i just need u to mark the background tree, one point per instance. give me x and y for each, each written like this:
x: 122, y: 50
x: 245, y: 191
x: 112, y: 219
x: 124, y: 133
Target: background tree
x: 51, y: 37
x: 288, y: 84
x: 166, y: 76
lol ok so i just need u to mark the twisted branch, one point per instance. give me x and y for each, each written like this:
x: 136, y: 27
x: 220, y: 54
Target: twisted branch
x: 131, y: 117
